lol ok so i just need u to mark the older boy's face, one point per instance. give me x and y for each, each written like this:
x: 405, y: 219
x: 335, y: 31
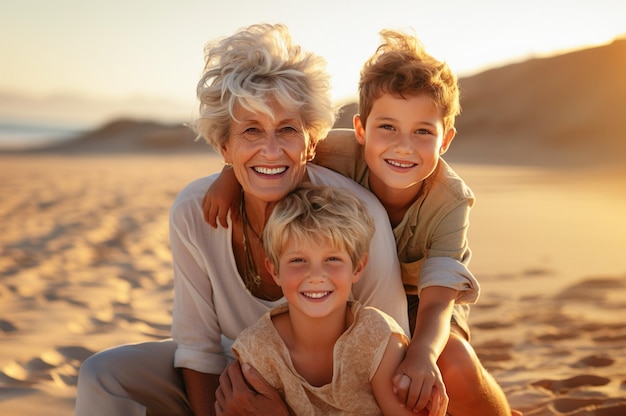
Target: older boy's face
x: 403, y: 140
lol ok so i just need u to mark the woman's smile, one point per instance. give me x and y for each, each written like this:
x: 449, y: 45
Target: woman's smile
x: 270, y: 171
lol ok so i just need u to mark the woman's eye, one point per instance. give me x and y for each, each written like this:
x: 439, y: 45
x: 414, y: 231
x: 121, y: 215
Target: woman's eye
x: 288, y: 131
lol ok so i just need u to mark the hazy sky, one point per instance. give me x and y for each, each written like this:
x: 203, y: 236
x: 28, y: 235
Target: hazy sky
x: 153, y: 48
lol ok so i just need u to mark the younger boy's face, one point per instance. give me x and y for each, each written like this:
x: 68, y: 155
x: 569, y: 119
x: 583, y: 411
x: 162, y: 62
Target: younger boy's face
x: 316, y: 280
x: 403, y: 141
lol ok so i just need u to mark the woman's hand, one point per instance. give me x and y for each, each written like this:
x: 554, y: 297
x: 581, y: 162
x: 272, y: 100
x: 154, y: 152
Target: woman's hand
x: 245, y: 392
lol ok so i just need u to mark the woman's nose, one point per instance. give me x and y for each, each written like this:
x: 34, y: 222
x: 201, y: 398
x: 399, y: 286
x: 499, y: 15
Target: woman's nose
x: 272, y: 144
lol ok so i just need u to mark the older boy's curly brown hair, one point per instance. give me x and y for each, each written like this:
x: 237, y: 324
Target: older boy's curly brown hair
x: 401, y: 67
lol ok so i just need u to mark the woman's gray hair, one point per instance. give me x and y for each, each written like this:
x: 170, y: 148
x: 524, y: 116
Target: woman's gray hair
x: 255, y: 65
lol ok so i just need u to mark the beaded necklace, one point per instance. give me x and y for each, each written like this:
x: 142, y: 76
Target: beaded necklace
x: 251, y: 276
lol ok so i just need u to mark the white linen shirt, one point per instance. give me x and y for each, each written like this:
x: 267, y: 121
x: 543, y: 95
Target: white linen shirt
x: 211, y: 303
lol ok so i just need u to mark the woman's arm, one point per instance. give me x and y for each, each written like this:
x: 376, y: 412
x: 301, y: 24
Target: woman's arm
x: 243, y: 391
x: 201, y: 389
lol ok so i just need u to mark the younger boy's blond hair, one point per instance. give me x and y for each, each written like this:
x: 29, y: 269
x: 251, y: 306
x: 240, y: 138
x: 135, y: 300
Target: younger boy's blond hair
x: 319, y: 215
x: 401, y: 67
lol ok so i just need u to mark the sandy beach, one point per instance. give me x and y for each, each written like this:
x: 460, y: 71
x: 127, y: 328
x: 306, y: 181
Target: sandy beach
x: 85, y: 265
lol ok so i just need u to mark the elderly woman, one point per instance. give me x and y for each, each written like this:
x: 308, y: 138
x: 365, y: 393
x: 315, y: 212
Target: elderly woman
x: 265, y: 104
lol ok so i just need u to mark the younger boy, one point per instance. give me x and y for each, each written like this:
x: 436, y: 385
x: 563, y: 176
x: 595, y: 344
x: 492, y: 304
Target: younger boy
x: 324, y: 354
x: 408, y: 101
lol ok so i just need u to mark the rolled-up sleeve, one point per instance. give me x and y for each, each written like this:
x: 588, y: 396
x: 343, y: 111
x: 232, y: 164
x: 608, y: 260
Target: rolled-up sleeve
x: 451, y: 273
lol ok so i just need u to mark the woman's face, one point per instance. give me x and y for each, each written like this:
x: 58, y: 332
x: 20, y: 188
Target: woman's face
x: 268, y: 156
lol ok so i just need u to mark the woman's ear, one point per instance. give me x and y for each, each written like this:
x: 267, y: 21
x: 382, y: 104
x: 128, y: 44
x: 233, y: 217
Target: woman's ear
x: 447, y: 140
x: 310, y: 150
x: 224, y: 150
x: 359, y: 129
x: 273, y: 270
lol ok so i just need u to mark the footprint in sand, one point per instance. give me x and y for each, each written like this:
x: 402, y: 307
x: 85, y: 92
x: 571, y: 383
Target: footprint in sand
x: 58, y: 367
x: 595, y: 360
x: 592, y: 290
x: 587, y: 407
x: 580, y: 381
x: 582, y: 385
x: 7, y: 326
x: 493, y: 325
x: 494, y: 351
x: 559, y: 335
x: 607, y: 333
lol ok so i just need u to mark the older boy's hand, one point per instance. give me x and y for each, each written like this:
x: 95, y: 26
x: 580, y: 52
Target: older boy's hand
x: 245, y: 392
x: 421, y: 391
x: 222, y: 197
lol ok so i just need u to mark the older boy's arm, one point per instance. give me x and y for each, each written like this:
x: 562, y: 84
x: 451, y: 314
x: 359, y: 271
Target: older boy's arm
x: 418, y: 378
x: 223, y: 195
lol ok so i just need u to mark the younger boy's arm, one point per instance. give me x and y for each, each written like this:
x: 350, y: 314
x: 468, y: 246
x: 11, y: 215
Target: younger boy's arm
x: 223, y: 195
x: 384, y: 391
x: 418, y: 379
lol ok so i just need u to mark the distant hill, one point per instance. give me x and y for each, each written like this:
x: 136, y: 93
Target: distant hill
x: 569, y: 108
x: 564, y: 109
x: 130, y: 136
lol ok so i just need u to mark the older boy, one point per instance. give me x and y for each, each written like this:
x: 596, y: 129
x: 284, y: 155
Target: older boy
x: 408, y: 101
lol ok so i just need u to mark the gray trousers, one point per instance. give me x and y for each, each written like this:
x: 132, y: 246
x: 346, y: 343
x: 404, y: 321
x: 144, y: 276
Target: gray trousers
x: 129, y: 380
